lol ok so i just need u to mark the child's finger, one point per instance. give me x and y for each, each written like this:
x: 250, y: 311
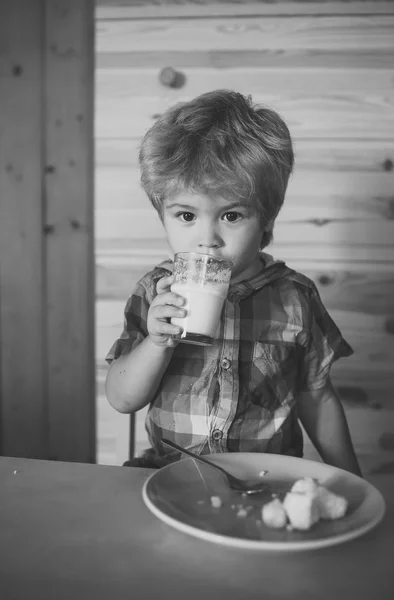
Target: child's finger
x: 163, y: 328
x: 164, y: 284
x: 169, y: 298
x: 167, y: 311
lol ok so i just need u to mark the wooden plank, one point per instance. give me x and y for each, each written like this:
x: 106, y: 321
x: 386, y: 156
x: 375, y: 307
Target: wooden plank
x: 308, y: 115
x: 247, y: 33
x: 22, y: 389
x: 314, y: 155
x: 367, y: 289
x: 301, y: 251
x: 345, y: 155
x: 144, y: 223
x: 69, y: 214
x: 349, y: 58
x: 137, y: 9
x: 371, y: 337
x: 118, y: 282
x: 311, y: 194
x: 297, y: 252
x: 149, y: 251
x: 109, y: 319
x: 120, y: 82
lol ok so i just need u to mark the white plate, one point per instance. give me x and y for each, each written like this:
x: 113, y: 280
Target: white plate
x: 179, y: 494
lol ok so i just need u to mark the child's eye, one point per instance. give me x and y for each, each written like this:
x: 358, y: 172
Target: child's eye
x: 187, y: 217
x: 232, y: 217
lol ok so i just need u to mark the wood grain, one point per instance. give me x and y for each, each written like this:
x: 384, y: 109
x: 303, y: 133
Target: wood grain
x: 359, y: 156
x: 308, y: 115
x: 69, y: 215
x: 130, y: 249
x: 363, y: 193
x: 368, y: 289
x: 118, y: 82
x: 136, y: 9
x: 22, y: 314
x: 372, y: 32
x: 352, y: 232
x: 349, y: 58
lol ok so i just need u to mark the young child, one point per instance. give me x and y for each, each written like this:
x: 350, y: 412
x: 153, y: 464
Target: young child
x: 216, y: 170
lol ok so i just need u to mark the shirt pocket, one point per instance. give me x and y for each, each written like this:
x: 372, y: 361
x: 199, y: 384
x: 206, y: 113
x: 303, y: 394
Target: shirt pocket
x: 274, y: 370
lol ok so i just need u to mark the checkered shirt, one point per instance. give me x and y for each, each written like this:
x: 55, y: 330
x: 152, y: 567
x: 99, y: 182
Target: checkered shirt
x: 275, y: 338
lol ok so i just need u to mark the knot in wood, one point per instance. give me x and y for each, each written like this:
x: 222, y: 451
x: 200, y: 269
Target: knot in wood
x: 320, y: 222
x: 169, y: 77
x: 325, y: 279
x: 389, y: 325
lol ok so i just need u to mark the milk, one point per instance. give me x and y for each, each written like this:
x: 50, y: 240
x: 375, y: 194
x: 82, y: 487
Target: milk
x: 204, y: 305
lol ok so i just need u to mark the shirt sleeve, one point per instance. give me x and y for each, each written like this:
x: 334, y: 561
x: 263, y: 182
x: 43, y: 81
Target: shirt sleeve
x: 135, y: 328
x: 323, y: 344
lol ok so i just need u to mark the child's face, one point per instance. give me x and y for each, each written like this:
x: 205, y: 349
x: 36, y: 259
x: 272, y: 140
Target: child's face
x: 223, y: 228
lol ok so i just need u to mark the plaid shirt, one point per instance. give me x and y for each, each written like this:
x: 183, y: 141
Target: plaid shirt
x: 275, y: 339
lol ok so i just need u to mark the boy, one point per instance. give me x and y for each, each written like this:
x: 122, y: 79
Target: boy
x: 216, y: 170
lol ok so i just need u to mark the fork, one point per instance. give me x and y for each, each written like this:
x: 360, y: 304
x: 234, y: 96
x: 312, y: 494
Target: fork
x: 240, y: 485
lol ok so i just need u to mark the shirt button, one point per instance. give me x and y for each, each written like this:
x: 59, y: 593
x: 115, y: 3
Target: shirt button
x: 226, y: 364
x: 302, y: 339
x: 217, y: 434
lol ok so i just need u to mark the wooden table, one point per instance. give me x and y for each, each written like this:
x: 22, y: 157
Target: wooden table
x: 77, y: 531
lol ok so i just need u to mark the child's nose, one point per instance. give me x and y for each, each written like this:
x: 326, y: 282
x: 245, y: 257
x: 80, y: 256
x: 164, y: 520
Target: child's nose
x: 209, y: 238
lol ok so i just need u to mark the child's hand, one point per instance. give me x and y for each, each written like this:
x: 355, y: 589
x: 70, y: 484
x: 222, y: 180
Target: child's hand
x: 164, y: 306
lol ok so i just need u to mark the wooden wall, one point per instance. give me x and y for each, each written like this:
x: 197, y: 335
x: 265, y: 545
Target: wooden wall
x: 47, y: 381
x: 328, y: 68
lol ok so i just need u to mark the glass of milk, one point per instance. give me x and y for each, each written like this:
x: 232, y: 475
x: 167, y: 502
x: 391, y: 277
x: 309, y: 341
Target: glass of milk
x: 203, y: 280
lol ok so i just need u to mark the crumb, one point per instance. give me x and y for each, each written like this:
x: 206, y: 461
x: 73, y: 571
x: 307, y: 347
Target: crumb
x: 262, y: 473
x: 200, y: 501
x: 216, y: 501
x: 242, y: 512
x: 274, y: 514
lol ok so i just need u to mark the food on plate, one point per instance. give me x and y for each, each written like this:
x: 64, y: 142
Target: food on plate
x: 274, y: 514
x: 242, y: 512
x: 302, y: 509
x: 331, y: 506
x: 305, y: 504
x: 306, y: 485
x: 216, y: 501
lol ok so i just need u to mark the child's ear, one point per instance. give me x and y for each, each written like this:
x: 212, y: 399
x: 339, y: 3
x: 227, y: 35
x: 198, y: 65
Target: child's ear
x: 269, y: 226
x: 267, y: 235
